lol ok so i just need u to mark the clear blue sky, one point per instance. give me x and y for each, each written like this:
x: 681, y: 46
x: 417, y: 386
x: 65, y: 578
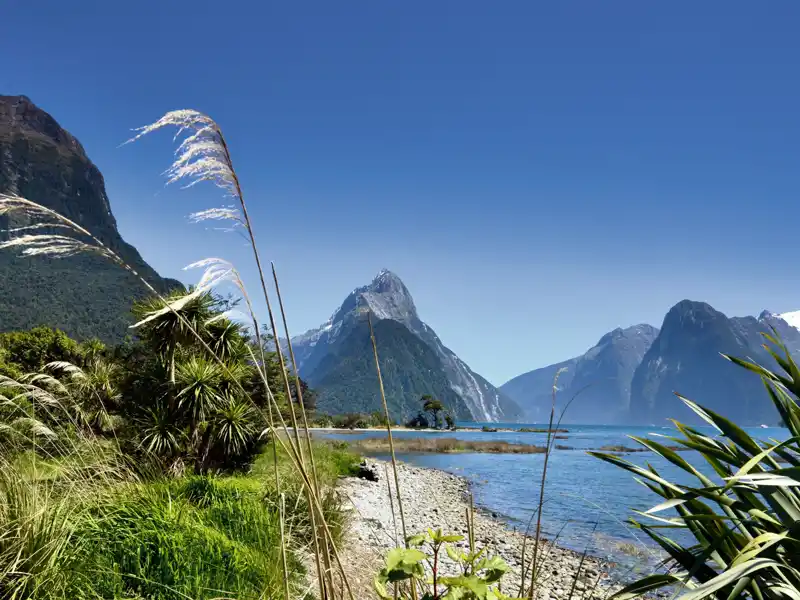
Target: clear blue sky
x: 538, y: 173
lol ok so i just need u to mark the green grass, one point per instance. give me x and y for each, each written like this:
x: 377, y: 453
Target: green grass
x: 198, y: 538
x: 84, y: 533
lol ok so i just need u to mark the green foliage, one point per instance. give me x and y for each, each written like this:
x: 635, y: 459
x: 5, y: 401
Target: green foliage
x: 433, y: 406
x: 449, y: 421
x: 162, y: 394
x: 32, y: 350
x: 744, y: 522
x: 84, y: 527
x: 405, y: 573
x: 346, y: 377
x: 375, y: 419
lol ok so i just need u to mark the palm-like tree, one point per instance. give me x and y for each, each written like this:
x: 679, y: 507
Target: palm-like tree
x: 166, y: 330
x: 93, y: 390
x: 227, y: 339
x: 234, y: 426
x: 199, y: 381
x: 161, y: 435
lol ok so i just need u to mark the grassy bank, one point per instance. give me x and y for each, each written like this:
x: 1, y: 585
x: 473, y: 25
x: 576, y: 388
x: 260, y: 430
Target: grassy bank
x: 444, y: 445
x: 77, y: 528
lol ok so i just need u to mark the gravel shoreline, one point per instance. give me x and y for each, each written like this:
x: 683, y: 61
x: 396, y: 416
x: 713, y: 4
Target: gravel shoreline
x: 436, y: 499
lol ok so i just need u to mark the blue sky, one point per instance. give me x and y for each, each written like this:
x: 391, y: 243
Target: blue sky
x: 538, y: 173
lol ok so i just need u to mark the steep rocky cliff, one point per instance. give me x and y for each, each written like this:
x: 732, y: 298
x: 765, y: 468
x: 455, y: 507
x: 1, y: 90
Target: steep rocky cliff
x: 83, y: 295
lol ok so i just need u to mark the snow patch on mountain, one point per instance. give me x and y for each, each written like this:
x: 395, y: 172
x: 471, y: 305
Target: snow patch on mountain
x: 792, y: 318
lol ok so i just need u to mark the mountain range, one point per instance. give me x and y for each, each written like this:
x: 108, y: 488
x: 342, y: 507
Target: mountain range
x: 631, y: 375
x: 414, y: 361
x: 84, y: 295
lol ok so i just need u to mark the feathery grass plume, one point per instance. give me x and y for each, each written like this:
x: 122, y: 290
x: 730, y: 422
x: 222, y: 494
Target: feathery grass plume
x: 203, y: 155
x: 50, y: 244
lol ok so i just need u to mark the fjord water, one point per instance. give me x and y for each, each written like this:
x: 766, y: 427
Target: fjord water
x: 587, y: 501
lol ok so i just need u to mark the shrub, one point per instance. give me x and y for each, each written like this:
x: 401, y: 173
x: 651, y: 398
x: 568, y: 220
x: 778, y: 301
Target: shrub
x: 477, y: 575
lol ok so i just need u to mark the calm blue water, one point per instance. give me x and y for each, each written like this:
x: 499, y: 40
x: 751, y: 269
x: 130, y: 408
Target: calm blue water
x: 587, y: 500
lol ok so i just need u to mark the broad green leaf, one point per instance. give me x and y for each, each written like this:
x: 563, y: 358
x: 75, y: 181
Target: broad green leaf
x: 416, y: 540
x: 453, y: 554
x: 757, y: 545
x: 469, y: 582
x: 750, y: 464
x: 646, y: 584
x: 495, y: 567
x: 730, y: 429
x: 405, y: 560
x: 729, y: 577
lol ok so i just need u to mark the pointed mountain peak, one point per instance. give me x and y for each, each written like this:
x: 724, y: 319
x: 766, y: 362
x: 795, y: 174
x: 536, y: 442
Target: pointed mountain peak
x: 388, y: 298
x: 642, y: 330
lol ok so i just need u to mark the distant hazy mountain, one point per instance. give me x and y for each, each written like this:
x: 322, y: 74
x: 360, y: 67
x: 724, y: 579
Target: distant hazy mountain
x: 599, y: 380
x: 83, y: 295
x: 631, y: 375
x: 686, y: 358
x: 387, y: 298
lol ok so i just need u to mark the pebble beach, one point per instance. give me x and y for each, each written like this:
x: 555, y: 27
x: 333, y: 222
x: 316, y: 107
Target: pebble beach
x: 438, y: 500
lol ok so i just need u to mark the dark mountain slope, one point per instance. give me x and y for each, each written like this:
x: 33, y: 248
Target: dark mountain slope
x: 346, y: 378
x: 83, y: 295
x: 685, y: 358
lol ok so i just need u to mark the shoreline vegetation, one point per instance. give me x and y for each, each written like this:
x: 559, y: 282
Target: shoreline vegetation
x: 443, y: 445
x: 452, y: 445
x: 467, y: 429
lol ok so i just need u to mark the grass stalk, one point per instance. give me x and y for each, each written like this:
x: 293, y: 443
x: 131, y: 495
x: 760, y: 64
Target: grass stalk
x: 391, y: 502
x: 282, y: 509
x: 257, y: 257
x: 388, y: 429
x: 314, y: 476
x: 540, y: 505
